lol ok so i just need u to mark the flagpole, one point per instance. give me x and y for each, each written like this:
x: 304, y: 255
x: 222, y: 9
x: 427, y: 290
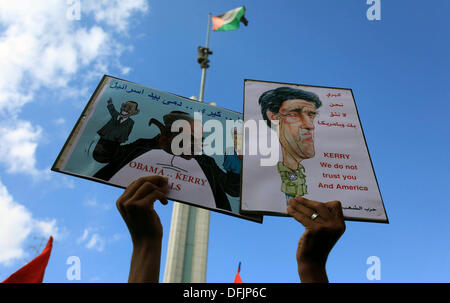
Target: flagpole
x: 187, y: 251
x: 198, y: 222
x: 205, y: 66
x: 209, y: 29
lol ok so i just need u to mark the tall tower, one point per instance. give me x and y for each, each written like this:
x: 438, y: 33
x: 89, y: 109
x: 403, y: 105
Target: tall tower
x: 187, y: 252
x: 188, y: 245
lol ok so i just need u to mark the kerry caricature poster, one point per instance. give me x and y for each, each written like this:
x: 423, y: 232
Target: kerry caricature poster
x: 307, y: 141
x: 129, y: 131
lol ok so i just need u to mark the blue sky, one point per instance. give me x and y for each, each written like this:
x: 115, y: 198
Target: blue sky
x: 398, y: 68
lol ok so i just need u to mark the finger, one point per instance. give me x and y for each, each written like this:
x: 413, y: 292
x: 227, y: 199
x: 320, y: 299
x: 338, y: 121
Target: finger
x: 315, y: 206
x: 128, y: 192
x: 155, y: 195
x: 161, y: 183
x: 164, y: 190
x: 158, y: 180
x: 131, y: 189
x: 146, y: 188
x: 301, y: 208
x: 300, y: 217
x: 120, y: 207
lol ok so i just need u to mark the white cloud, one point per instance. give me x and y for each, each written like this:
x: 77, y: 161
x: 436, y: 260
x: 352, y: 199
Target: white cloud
x: 125, y: 70
x: 94, y: 203
x: 84, y: 236
x: 116, y: 237
x: 59, y: 121
x: 92, y: 240
x: 115, y: 13
x: 96, y: 242
x: 16, y: 225
x: 19, y: 142
x: 40, y: 48
x: 48, y: 228
x: 90, y: 43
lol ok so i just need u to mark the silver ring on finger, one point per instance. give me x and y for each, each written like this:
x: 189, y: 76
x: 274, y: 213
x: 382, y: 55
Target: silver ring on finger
x: 314, y: 216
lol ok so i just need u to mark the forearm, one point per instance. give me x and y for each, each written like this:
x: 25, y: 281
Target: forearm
x: 112, y: 110
x: 312, y: 273
x: 145, y: 262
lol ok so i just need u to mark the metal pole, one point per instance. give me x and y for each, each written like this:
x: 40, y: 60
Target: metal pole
x: 198, y: 221
x: 202, y: 82
x: 187, y: 251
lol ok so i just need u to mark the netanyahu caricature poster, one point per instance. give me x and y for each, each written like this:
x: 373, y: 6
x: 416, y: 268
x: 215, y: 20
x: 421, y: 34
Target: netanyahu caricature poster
x: 306, y: 141
x: 129, y: 131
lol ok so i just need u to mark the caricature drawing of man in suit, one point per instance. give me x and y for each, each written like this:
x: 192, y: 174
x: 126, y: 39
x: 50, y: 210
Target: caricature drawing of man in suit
x: 115, y: 131
x: 220, y: 183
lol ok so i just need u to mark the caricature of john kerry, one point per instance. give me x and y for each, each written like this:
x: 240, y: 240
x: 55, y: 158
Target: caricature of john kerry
x: 294, y: 110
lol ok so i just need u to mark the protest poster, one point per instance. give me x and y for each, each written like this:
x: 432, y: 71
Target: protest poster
x: 309, y: 142
x: 128, y: 131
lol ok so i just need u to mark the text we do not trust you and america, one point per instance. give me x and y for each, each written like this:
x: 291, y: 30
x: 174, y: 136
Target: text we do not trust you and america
x: 346, y: 171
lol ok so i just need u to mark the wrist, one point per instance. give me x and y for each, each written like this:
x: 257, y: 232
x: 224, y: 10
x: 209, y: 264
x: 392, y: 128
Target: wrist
x: 147, y: 244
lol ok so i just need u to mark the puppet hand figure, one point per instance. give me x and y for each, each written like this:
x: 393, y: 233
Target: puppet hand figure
x: 136, y: 207
x: 324, y: 225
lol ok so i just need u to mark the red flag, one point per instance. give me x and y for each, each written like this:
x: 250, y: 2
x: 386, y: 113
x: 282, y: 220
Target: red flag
x: 33, y: 272
x: 238, y: 279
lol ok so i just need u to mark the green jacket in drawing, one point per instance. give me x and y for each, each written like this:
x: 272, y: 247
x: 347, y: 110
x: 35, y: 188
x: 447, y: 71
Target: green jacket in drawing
x: 293, y: 183
x: 116, y: 130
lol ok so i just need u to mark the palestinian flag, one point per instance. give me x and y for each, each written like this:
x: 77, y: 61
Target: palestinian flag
x: 230, y: 20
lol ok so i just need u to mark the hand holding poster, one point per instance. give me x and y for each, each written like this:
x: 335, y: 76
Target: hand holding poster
x: 129, y: 131
x: 317, y: 151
